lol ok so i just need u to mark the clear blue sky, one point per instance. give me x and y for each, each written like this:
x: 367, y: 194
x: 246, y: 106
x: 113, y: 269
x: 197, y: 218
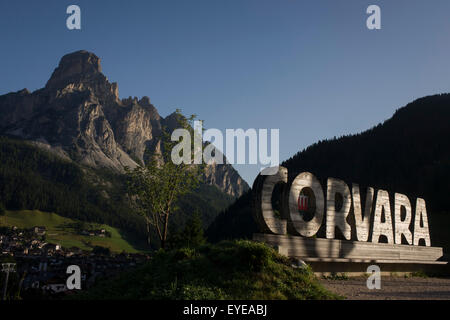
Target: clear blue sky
x: 310, y: 68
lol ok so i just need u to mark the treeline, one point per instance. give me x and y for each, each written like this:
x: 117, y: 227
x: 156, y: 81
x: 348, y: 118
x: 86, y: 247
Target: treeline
x: 409, y: 153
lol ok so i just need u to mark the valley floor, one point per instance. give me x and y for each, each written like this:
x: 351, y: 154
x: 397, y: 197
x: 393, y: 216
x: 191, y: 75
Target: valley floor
x: 392, y: 288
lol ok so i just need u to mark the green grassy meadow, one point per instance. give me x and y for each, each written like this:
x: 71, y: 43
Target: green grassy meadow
x: 60, y: 230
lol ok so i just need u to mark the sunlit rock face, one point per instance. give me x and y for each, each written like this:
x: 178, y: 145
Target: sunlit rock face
x: 79, y: 116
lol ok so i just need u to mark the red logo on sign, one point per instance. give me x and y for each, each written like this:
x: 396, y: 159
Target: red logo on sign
x: 302, y: 203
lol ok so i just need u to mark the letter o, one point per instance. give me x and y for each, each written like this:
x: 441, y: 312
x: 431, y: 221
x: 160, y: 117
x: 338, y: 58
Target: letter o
x: 300, y: 226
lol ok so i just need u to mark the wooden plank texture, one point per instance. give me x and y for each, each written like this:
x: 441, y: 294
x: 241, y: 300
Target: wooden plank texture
x: 301, y: 247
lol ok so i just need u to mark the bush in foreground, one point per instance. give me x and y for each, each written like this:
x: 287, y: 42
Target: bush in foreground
x: 228, y: 270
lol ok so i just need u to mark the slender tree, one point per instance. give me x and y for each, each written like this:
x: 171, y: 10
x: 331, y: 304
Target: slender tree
x: 155, y: 188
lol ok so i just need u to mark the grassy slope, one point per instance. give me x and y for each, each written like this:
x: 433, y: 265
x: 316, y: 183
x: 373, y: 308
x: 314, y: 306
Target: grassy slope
x: 60, y: 230
x: 228, y: 270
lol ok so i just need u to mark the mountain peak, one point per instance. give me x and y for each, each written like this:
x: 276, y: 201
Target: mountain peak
x: 76, y: 66
x: 79, y: 116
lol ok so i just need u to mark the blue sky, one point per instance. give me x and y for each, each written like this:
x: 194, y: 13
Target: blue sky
x: 309, y: 68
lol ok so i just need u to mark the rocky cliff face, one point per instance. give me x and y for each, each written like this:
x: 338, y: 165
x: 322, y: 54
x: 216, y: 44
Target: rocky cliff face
x: 79, y: 116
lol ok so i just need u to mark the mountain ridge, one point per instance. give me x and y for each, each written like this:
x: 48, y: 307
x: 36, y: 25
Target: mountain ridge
x: 79, y: 116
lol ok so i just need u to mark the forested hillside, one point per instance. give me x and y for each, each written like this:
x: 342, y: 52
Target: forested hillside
x: 31, y: 178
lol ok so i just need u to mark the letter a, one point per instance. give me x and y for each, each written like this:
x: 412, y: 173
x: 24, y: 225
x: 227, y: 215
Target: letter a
x: 374, y: 279
x: 74, y: 20
x: 183, y: 147
x: 74, y: 280
x: 421, y: 229
x: 382, y: 228
x: 374, y: 20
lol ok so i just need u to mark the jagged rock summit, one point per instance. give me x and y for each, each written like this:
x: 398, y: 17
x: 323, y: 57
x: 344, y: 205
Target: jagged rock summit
x: 79, y: 116
x: 75, y: 67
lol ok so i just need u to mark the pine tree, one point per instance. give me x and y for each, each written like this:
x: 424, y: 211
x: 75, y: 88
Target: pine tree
x: 193, y: 231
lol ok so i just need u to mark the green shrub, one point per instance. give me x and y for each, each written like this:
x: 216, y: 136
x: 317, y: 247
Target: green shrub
x: 227, y: 270
x: 419, y: 274
x: 337, y: 276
